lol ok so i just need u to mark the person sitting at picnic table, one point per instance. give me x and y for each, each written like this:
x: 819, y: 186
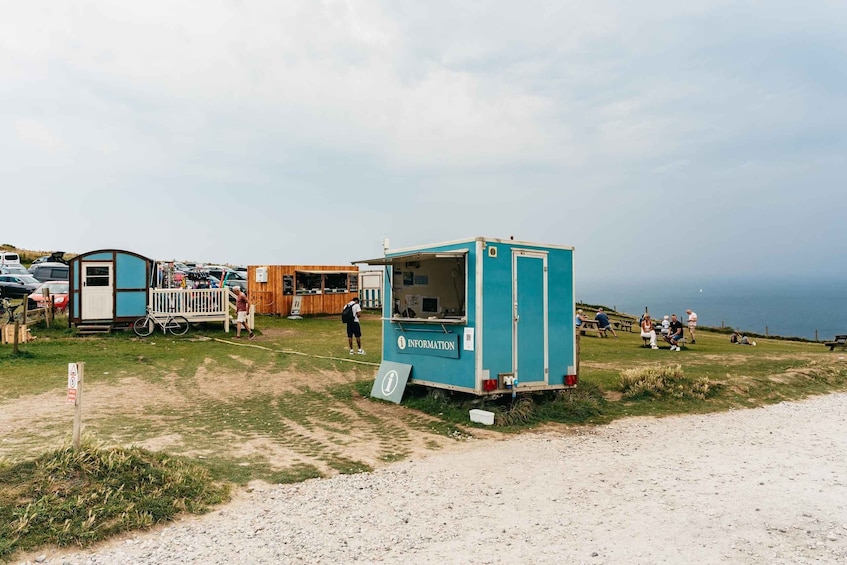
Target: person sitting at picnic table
x: 666, y: 325
x: 579, y: 318
x: 739, y: 339
x: 603, y: 322
x: 674, y: 333
x: 647, y: 330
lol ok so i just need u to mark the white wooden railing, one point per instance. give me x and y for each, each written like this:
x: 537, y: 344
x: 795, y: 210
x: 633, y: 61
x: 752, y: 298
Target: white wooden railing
x: 197, y: 304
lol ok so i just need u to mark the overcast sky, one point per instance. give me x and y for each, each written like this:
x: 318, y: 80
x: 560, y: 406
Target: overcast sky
x: 655, y: 136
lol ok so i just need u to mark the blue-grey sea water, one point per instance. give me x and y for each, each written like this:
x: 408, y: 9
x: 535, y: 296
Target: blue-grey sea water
x: 792, y: 307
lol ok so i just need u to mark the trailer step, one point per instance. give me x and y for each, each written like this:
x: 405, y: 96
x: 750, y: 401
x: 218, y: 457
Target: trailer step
x: 95, y: 328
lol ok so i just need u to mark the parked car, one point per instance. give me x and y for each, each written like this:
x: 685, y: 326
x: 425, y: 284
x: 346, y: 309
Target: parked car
x: 58, y: 295
x: 49, y: 271
x: 236, y: 278
x: 13, y: 270
x: 228, y: 277
x: 17, y: 286
x: 55, y: 257
x: 9, y: 258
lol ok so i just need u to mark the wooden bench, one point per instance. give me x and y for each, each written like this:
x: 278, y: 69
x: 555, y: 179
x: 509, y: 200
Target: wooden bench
x: 840, y: 341
x: 591, y: 326
x: 681, y: 341
x: 624, y: 325
x: 660, y: 339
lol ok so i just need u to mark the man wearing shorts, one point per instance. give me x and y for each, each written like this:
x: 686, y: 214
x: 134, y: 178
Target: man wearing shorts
x: 241, y: 307
x: 675, y: 333
x: 354, y: 329
x: 603, y: 322
x: 692, y: 323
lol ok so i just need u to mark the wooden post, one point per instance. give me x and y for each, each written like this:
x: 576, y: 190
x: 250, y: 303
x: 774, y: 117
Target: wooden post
x: 577, y: 353
x: 15, y: 339
x: 816, y: 335
x: 48, y: 314
x: 78, y: 406
x: 766, y: 332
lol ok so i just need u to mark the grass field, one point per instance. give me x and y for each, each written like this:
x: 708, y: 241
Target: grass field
x: 293, y: 405
x: 303, y: 402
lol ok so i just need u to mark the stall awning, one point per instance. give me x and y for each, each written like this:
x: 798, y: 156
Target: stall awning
x: 332, y: 272
x: 416, y: 256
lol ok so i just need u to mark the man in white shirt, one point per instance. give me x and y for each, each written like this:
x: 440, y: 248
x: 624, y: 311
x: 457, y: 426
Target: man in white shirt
x: 692, y: 323
x: 354, y: 329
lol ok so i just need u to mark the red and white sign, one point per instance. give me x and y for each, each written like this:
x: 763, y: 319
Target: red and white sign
x: 73, y: 383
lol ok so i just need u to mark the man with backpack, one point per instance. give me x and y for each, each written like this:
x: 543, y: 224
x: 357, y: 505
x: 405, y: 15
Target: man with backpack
x: 350, y: 315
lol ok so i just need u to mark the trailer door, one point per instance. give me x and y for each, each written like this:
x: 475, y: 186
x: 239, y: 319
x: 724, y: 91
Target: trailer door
x: 529, y: 330
x: 97, y: 295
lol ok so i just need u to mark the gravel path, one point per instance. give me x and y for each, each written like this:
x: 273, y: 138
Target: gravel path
x: 752, y: 486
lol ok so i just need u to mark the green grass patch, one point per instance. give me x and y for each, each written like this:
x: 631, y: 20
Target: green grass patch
x: 76, y: 497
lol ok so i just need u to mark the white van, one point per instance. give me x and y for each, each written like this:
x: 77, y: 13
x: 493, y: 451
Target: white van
x: 9, y: 258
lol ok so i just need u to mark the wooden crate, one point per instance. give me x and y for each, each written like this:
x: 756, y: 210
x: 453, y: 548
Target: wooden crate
x: 8, y: 334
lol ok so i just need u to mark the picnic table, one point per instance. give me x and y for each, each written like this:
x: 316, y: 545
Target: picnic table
x: 840, y: 341
x: 624, y: 325
x: 591, y: 326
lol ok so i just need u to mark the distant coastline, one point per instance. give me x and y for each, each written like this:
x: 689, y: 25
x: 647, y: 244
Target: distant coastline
x: 802, y: 307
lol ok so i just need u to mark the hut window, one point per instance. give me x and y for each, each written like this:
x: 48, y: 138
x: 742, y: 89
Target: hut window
x: 308, y: 283
x: 335, y: 282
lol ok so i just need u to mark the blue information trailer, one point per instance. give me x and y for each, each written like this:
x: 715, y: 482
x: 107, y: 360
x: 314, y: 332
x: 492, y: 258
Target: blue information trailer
x: 485, y: 316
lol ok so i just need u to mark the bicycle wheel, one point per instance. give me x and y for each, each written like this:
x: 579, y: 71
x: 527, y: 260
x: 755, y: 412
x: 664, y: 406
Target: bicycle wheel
x: 143, y: 326
x: 178, y: 325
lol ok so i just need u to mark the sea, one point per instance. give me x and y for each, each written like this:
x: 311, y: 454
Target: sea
x: 806, y: 307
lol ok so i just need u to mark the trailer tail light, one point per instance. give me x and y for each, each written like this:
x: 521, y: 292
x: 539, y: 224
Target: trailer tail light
x: 489, y: 384
x: 571, y: 380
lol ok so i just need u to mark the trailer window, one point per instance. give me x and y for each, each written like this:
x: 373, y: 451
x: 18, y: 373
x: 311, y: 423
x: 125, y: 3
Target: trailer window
x: 429, y: 288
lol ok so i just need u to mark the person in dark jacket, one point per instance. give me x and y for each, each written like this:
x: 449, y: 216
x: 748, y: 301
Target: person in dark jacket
x: 603, y: 322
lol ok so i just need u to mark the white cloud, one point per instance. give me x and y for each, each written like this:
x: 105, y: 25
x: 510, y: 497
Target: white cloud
x: 533, y: 117
x: 37, y: 134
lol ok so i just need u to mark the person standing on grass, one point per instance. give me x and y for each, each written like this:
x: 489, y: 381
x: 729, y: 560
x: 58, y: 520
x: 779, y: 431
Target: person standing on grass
x: 241, y: 307
x: 353, y: 328
x: 648, y: 331
x: 692, y: 323
x: 603, y: 322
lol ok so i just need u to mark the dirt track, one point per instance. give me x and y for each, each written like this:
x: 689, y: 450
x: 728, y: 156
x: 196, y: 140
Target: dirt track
x: 759, y: 486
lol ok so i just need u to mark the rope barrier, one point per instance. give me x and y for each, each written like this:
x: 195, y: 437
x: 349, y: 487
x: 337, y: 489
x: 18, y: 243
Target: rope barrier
x: 292, y: 352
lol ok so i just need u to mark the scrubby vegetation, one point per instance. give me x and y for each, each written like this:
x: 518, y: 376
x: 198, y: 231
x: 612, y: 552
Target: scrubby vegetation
x: 664, y: 381
x: 76, y: 497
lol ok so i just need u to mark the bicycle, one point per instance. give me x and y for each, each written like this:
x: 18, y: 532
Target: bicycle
x: 7, y: 311
x: 145, y: 325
